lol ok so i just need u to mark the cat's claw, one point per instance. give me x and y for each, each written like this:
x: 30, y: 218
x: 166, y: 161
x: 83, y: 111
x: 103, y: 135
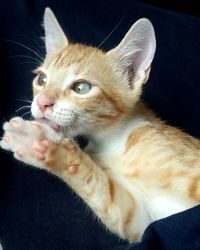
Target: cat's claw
x: 28, y: 140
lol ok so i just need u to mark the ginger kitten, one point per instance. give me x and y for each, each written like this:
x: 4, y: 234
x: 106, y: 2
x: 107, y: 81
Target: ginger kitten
x: 136, y: 169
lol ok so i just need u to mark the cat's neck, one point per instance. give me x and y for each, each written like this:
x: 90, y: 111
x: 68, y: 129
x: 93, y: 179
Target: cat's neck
x: 140, y: 117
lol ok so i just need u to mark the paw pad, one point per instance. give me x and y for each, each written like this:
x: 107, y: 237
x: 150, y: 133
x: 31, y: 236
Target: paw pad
x: 36, y: 126
x: 15, y: 124
x: 73, y: 169
x: 20, y: 153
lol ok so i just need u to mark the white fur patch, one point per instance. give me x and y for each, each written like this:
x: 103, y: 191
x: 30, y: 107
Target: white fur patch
x: 162, y: 204
x: 114, y: 144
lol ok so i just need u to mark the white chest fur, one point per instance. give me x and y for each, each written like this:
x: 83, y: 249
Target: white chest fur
x: 113, y: 145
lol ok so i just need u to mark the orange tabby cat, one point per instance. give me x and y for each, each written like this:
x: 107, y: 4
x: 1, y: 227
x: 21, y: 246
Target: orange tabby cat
x: 136, y: 169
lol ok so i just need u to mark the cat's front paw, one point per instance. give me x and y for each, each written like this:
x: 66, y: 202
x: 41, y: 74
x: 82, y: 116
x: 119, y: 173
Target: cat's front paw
x: 30, y: 141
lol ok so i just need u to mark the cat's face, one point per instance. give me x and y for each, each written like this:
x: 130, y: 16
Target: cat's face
x: 81, y: 89
x: 77, y: 89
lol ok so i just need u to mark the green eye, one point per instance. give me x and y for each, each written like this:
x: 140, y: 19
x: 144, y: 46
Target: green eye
x: 82, y: 87
x: 42, y: 79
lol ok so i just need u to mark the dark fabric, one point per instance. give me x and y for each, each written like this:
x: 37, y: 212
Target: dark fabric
x: 37, y: 210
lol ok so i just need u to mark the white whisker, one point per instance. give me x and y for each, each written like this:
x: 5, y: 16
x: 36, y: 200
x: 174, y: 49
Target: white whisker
x: 37, y: 42
x: 28, y: 62
x: 26, y: 113
x: 23, y: 100
x: 116, y: 26
x: 24, y: 46
x: 22, y: 108
x: 25, y: 56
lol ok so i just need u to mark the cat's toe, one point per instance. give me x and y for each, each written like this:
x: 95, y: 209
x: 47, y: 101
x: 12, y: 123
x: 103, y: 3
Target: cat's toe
x: 13, y: 125
x: 11, y: 141
x: 7, y: 139
x: 5, y: 142
x: 16, y: 122
x: 7, y: 126
x: 22, y: 155
x: 4, y: 145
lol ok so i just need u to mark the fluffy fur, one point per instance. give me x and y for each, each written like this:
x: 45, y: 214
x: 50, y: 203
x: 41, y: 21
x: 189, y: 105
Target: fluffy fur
x: 136, y: 169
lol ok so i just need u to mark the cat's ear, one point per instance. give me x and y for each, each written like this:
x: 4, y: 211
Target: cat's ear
x: 54, y: 35
x: 135, y: 52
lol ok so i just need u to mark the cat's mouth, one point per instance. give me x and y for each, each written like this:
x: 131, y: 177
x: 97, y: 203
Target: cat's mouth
x: 55, y: 126
x: 52, y: 124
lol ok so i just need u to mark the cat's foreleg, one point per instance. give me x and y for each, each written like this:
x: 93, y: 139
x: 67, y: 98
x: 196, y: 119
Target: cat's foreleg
x: 40, y: 146
x: 116, y: 208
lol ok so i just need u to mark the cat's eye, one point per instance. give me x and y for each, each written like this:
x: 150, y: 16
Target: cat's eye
x: 42, y: 79
x: 82, y: 87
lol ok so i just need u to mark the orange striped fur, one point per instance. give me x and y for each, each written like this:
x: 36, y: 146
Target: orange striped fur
x: 155, y: 156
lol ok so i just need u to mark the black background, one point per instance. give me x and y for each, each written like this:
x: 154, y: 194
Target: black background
x: 38, y: 211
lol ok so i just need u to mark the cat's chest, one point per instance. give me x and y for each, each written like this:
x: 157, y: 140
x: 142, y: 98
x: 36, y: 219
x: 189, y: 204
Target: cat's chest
x: 109, y: 155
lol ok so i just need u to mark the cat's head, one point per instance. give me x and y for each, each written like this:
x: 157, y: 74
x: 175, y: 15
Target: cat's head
x: 85, y: 90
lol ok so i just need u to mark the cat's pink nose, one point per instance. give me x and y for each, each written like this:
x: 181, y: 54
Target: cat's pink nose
x: 43, y: 103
